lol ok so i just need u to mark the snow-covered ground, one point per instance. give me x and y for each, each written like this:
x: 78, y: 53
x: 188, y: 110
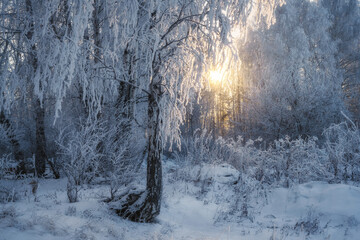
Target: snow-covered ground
x: 314, y: 210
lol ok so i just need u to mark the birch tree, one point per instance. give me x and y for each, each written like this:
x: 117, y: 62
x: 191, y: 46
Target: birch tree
x: 345, y: 30
x: 171, y: 54
x: 291, y: 68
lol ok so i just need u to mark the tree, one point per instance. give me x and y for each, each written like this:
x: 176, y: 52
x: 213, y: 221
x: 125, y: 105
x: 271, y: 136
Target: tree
x: 173, y: 36
x: 22, y: 62
x: 345, y: 30
x: 291, y: 68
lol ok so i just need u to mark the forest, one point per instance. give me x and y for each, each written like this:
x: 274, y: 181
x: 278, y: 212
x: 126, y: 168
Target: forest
x: 179, y: 119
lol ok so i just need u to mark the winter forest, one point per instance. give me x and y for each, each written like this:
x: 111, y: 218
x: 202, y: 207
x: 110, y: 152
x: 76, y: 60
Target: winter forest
x: 179, y: 119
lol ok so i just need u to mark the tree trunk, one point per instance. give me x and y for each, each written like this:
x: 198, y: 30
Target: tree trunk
x: 154, y: 169
x: 125, y: 105
x: 40, y: 153
x: 145, y: 206
x: 125, y: 102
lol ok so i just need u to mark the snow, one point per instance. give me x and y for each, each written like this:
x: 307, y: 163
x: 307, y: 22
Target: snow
x: 189, y: 215
x: 223, y: 173
x: 335, y: 206
x: 313, y: 210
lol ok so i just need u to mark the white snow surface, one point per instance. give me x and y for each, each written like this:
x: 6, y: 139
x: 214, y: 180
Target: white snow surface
x: 314, y: 210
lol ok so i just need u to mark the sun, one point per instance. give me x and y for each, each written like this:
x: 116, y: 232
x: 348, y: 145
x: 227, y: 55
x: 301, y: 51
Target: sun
x: 215, y: 76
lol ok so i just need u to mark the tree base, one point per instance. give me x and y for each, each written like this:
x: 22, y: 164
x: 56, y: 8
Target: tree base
x: 135, y: 207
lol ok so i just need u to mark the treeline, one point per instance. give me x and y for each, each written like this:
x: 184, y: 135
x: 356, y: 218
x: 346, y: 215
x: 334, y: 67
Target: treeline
x: 299, y: 69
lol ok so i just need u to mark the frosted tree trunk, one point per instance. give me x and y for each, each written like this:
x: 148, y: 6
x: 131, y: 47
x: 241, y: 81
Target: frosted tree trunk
x: 125, y: 102
x: 97, y: 28
x: 144, y: 206
x: 40, y: 153
x: 154, y: 169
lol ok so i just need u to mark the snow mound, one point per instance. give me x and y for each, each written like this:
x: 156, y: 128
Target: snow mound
x: 223, y: 173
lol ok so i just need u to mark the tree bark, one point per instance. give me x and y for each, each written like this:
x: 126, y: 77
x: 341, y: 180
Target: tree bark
x: 40, y: 153
x: 154, y: 168
x: 145, y: 206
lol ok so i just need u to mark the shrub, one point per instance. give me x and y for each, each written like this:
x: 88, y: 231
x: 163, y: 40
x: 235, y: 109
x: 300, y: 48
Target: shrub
x: 284, y: 162
x: 80, y: 154
x: 342, y: 142
x: 295, y: 161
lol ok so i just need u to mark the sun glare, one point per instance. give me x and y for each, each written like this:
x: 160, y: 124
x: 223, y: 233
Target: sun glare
x: 215, y: 76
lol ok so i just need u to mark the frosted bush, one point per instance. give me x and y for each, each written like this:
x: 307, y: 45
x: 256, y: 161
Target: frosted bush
x: 294, y: 161
x: 198, y: 147
x: 120, y: 162
x: 80, y: 155
x: 8, y: 194
x: 343, y: 147
x: 7, y: 165
x: 205, y: 148
x: 285, y: 162
x: 8, y: 212
x: 310, y: 224
x: 70, y: 211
